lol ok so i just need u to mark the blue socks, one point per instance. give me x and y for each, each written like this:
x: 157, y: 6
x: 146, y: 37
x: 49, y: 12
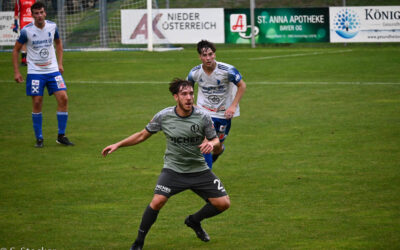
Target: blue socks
x: 62, y: 118
x: 37, y: 119
x: 37, y: 124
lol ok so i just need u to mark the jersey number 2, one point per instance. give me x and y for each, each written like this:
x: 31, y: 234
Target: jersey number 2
x: 220, y: 187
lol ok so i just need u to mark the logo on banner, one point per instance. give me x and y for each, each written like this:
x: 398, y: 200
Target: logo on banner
x: 141, y: 28
x: 346, y: 23
x: 238, y: 23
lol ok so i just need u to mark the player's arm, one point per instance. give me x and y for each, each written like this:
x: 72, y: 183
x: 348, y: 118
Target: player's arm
x: 59, y: 51
x: 208, y: 145
x: 15, y: 53
x: 240, y: 91
x: 134, y: 139
x: 16, y: 14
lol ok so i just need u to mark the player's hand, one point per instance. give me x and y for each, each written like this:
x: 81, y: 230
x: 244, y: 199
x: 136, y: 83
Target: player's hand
x: 18, y: 77
x: 61, y: 68
x: 109, y: 149
x: 206, y: 147
x: 230, y: 112
x: 15, y: 28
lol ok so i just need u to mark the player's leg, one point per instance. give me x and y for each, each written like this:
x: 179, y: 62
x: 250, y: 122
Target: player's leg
x: 212, y: 208
x: 149, y: 217
x: 37, y: 119
x: 222, y: 127
x: 208, y: 159
x: 168, y: 184
x: 34, y: 88
x: 218, y: 151
x: 56, y: 86
x: 210, y: 188
x: 62, y: 117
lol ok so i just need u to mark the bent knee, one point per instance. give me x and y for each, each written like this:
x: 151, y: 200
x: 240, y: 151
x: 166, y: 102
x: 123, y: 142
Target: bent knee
x: 158, y: 202
x: 222, y: 204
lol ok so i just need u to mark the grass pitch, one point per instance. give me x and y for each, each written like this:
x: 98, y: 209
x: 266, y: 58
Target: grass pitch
x: 313, y: 162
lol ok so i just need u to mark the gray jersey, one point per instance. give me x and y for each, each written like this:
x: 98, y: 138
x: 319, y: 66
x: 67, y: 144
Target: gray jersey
x: 183, y: 135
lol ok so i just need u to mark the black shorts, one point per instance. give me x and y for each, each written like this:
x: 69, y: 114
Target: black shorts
x: 205, y: 184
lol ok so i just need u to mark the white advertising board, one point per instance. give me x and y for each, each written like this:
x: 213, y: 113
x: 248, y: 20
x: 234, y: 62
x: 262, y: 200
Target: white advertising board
x: 170, y: 26
x: 7, y: 36
x: 364, y: 24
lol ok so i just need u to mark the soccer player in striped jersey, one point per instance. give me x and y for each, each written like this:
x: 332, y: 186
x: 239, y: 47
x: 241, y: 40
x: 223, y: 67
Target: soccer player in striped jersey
x: 44, y: 70
x: 220, y: 88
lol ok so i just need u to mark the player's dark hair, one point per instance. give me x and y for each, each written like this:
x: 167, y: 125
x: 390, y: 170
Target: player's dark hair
x: 204, y: 45
x: 38, y: 6
x: 177, y: 84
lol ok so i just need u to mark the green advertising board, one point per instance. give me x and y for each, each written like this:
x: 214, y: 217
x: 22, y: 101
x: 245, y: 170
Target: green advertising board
x: 278, y: 25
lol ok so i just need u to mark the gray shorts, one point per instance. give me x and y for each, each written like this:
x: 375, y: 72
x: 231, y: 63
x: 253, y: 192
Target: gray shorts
x: 205, y: 184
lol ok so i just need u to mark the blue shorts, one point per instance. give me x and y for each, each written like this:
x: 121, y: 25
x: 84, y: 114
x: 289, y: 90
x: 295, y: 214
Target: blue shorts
x: 222, y: 126
x: 35, y: 83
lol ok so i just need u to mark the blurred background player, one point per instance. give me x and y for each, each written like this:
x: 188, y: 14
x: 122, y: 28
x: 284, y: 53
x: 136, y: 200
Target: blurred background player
x: 22, y: 11
x: 220, y: 88
x: 44, y: 70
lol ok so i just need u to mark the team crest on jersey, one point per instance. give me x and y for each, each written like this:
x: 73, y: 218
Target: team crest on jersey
x: 44, y: 53
x: 214, y: 99
x: 49, y: 34
x: 195, y: 128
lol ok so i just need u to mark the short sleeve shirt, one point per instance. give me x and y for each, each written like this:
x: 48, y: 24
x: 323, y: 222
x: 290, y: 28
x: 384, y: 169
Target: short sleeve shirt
x: 41, y: 56
x: 183, y: 135
x: 217, y: 91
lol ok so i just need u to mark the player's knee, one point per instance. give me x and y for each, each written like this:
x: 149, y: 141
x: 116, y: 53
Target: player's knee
x: 222, y: 204
x: 63, y: 101
x: 37, y: 105
x: 226, y: 204
x: 158, y: 202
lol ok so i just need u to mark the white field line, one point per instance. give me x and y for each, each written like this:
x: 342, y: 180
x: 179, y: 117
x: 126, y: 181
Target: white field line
x: 250, y: 83
x: 301, y: 54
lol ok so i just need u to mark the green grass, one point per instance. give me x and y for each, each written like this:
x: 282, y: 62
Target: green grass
x: 313, y: 162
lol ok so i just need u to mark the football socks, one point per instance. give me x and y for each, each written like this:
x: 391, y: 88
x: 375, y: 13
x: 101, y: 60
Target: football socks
x: 148, y: 219
x: 205, y: 212
x: 62, y: 118
x: 37, y: 124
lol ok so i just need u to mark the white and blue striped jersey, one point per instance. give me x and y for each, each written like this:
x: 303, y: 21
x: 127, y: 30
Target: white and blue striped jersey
x: 217, y: 91
x: 41, y: 56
